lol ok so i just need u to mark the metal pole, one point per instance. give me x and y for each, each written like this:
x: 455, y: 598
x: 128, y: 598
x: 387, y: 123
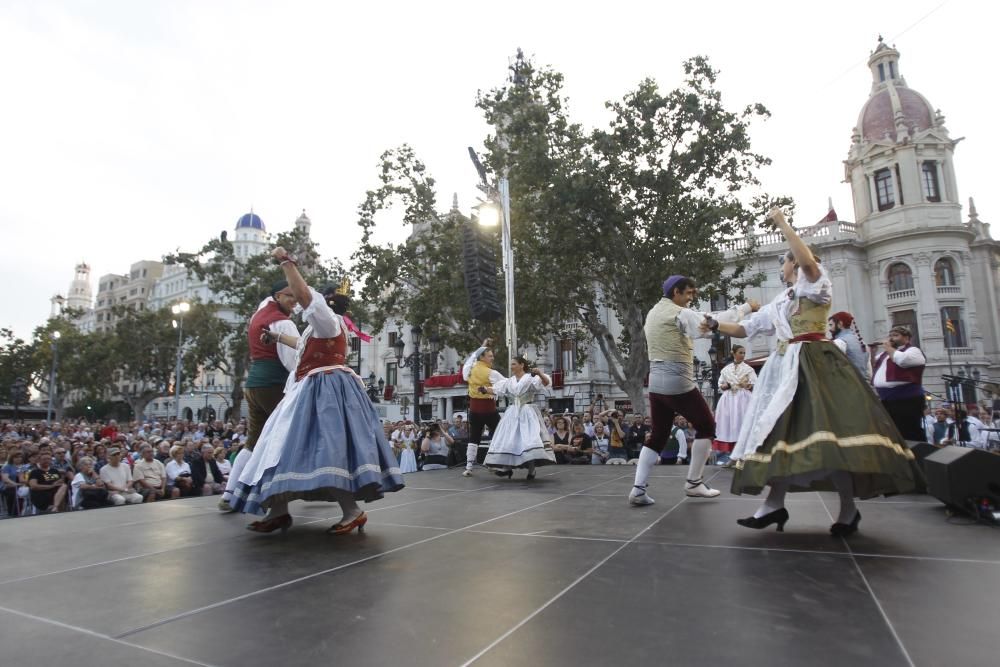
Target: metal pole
x: 415, y: 359
x: 52, y: 381
x: 508, y: 266
x: 952, y: 394
x: 177, y: 370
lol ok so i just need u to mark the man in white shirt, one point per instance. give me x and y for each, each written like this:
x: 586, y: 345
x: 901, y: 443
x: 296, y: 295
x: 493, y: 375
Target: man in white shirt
x: 898, y: 377
x: 117, y: 479
x: 150, y: 475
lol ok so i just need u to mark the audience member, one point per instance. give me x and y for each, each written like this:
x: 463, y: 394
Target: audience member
x: 117, y: 477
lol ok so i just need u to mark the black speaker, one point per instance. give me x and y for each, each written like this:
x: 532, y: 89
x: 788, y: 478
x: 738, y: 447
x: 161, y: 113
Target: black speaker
x: 479, y: 269
x: 921, y: 450
x: 955, y: 474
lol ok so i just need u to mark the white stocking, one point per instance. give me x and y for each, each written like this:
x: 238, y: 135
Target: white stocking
x: 647, y: 459
x: 700, y: 450
x: 844, y: 482
x: 775, y: 499
x: 350, y: 509
x: 234, y: 475
x: 471, y: 450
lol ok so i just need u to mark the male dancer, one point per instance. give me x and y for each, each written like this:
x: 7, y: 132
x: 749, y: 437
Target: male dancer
x: 478, y: 372
x: 270, y: 365
x: 670, y: 327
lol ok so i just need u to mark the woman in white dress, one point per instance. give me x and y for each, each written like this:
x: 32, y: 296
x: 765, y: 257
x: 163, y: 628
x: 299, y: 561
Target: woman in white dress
x: 521, y: 439
x: 735, y: 382
x: 407, y: 457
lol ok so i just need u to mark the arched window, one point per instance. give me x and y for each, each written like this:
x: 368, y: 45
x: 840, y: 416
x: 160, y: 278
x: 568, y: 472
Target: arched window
x: 900, y: 277
x: 944, y: 272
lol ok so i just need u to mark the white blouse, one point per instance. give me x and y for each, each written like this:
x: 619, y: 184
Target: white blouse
x: 775, y: 317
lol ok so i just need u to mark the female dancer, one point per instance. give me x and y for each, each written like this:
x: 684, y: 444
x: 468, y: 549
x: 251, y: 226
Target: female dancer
x: 521, y: 437
x: 324, y: 441
x: 735, y: 382
x: 812, y: 424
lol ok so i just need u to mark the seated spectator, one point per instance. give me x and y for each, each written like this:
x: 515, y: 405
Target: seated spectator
x: 110, y: 432
x: 100, y: 456
x: 89, y: 490
x: 206, y: 478
x: 179, y: 474
x: 225, y: 467
x: 560, y: 436
x: 601, y: 445
x: 46, y: 485
x: 117, y: 478
x: 150, y: 476
x: 10, y: 480
x: 580, y: 447
x: 435, y: 447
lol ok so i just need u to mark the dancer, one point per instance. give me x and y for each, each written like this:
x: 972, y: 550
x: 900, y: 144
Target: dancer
x: 845, y: 335
x: 735, y: 382
x: 324, y: 441
x: 670, y: 327
x: 812, y: 424
x: 521, y: 439
x: 478, y: 372
x: 270, y: 365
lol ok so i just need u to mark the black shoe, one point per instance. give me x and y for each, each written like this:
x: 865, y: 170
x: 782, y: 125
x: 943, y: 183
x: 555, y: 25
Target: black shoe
x: 845, y: 529
x: 778, y: 516
x: 510, y: 473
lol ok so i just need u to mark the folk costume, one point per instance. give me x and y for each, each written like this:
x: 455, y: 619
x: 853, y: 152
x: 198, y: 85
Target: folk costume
x: 264, y: 388
x: 735, y: 382
x: 813, y: 424
x: 898, y: 380
x: 670, y: 330
x: 325, y: 440
x: 521, y: 439
x: 482, y: 407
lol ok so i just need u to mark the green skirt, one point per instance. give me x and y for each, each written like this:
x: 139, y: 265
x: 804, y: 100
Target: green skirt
x: 834, y: 422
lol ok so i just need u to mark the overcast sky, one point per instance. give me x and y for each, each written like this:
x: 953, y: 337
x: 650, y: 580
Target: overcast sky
x: 130, y: 128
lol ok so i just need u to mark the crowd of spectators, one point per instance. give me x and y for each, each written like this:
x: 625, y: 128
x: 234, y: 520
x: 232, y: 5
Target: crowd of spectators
x: 77, y: 465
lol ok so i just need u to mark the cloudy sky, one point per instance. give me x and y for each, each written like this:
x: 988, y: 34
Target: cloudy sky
x: 130, y: 128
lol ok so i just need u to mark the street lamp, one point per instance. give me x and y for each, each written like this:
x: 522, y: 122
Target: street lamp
x: 52, y: 374
x: 178, y: 309
x: 412, y: 362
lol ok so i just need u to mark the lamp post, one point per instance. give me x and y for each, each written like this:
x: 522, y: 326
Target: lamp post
x: 412, y: 362
x: 52, y: 374
x: 178, y: 309
x: 489, y: 215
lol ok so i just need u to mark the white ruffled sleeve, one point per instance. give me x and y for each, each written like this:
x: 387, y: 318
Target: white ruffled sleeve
x: 470, y: 362
x: 763, y: 321
x: 325, y: 322
x: 820, y: 292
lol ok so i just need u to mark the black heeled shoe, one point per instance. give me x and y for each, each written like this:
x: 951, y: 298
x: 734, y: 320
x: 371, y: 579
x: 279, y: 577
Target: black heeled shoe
x: 845, y: 529
x: 778, y: 516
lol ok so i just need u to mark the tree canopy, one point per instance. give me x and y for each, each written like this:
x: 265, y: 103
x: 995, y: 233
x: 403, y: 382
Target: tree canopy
x: 599, y: 217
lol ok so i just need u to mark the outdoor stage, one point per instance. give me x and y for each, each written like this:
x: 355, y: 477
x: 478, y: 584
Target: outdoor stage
x: 454, y: 571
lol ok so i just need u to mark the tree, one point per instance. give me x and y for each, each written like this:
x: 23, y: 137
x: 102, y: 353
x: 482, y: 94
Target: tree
x: 419, y: 280
x: 74, y: 372
x: 15, y: 362
x: 240, y: 284
x: 600, y: 218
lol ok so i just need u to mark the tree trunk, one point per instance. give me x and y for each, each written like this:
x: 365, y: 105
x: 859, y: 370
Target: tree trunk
x: 237, y: 397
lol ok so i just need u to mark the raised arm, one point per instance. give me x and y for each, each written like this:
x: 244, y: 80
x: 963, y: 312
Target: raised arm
x: 800, y: 251
x: 296, y: 282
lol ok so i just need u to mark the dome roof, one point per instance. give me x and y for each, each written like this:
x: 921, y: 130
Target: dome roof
x: 892, y: 103
x: 893, y: 110
x: 250, y: 221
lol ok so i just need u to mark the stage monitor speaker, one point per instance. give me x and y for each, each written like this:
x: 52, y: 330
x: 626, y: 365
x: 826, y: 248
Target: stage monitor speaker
x: 955, y: 474
x: 921, y: 450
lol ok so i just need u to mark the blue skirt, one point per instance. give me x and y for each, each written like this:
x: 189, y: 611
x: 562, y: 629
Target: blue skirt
x: 324, y: 441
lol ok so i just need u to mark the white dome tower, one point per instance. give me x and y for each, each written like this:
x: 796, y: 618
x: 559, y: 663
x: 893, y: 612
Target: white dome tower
x: 80, y: 296
x: 250, y: 236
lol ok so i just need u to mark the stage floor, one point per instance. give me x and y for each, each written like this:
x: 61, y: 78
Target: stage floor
x: 486, y: 571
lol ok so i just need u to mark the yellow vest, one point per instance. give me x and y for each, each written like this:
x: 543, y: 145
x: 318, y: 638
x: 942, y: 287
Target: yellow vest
x: 663, y: 338
x: 479, y: 377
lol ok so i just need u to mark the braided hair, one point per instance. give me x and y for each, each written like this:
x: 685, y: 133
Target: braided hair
x: 847, y: 321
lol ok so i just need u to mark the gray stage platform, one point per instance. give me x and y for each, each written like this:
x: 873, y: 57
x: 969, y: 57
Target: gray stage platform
x: 486, y: 571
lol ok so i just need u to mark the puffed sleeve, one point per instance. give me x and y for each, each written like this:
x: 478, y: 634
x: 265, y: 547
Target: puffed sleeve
x: 470, y: 362
x: 286, y: 354
x: 751, y: 375
x: 325, y: 322
x: 761, y: 322
x: 820, y: 292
